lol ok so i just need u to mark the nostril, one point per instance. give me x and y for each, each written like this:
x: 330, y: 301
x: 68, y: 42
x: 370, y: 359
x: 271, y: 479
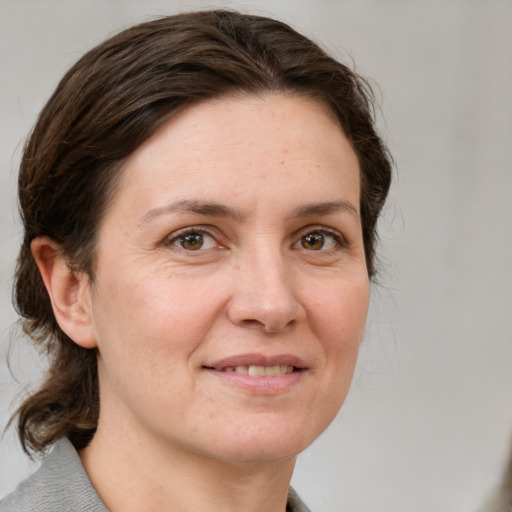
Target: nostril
x: 249, y: 322
x: 268, y: 327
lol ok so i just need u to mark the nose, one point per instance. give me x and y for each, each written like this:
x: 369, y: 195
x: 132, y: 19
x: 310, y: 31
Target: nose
x: 264, y: 294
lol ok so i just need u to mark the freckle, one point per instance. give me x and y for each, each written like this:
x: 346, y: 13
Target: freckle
x: 285, y: 151
x: 282, y: 162
x: 318, y: 166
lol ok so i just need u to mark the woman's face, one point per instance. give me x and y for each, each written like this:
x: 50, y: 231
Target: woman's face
x: 231, y: 290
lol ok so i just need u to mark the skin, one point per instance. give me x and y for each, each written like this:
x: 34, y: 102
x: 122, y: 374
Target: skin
x: 234, y: 232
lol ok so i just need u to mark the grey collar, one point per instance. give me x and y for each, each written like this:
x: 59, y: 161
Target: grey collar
x: 61, y: 484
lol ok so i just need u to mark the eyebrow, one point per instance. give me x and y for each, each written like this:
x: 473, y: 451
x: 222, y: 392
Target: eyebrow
x: 309, y: 210
x: 205, y: 208
x: 213, y: 209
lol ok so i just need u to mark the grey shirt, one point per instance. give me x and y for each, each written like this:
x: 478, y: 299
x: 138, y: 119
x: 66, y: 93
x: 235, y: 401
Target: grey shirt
x: 62, y: 485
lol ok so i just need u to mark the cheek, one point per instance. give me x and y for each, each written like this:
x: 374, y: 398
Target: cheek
x: 340, y: 312
x: 154, y: 315
x: 338, y: 321
x: 339, y: 324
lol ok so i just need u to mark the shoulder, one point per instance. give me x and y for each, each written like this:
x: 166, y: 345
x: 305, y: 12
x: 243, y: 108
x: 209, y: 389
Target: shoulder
x: 60, y: 484
x: 295, y: 504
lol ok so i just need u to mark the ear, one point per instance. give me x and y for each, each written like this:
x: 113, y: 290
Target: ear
x: 69, y: 292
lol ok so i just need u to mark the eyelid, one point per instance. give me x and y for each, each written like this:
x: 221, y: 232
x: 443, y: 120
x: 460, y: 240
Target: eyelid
x: 213, y: 233
x: 180, y: 233
x: 324, y: 230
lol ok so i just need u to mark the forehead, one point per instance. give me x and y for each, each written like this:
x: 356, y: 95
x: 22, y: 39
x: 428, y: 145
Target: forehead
x: 228, y: 146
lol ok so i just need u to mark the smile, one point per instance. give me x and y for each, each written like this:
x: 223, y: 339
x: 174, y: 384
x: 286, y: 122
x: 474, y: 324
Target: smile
x: 259, y: 374
x: 260, y: 371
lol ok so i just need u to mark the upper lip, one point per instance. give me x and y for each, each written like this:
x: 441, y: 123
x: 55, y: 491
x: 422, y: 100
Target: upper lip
x: 258, y: 360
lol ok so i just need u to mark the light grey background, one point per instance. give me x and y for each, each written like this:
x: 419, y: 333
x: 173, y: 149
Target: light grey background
x: 427, y: 424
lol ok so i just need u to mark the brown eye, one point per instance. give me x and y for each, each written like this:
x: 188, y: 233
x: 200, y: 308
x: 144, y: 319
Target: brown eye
x: 320, y: 240
x: 313, y: 241
x: 191, y: 242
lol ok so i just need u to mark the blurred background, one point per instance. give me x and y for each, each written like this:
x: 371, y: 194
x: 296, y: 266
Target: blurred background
x: 428, y: 422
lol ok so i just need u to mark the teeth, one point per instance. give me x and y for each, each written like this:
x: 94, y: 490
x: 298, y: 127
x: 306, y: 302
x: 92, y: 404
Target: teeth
x: 261, y: 371
x: 273, y: 371
x: 257, y: 371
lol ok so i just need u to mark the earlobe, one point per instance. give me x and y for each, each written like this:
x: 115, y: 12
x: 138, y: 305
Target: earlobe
x: 69, y: 292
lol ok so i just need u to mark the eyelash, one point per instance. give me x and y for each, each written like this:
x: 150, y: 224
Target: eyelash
x: 177, y: 238
x: 324, y: 231
x: 181, y: 235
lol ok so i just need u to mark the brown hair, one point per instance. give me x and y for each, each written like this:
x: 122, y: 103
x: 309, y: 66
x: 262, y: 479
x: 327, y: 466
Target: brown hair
x: 108, y: 104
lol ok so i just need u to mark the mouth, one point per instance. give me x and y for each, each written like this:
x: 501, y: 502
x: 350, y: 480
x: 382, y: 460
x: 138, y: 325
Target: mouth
x: 260, y: 374
x: 261, y: 371
x: 258, y: 370
x: 257, y: 365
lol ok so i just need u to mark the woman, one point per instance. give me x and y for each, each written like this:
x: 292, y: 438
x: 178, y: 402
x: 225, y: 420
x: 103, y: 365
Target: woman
x: 200, y: 197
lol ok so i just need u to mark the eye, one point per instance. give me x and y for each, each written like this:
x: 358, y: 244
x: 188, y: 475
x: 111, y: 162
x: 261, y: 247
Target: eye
x: 194, y: 241
x: 319, y: 240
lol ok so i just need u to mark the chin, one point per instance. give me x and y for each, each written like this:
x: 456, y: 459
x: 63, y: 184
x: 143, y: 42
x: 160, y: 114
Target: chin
x: 261, y: 453
x: 267, y: 445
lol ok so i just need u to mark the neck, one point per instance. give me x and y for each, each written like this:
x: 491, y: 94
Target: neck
x: 145, y: 474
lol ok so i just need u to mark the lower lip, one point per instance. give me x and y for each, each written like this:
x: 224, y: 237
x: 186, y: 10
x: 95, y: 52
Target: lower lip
x: 263, y: 385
